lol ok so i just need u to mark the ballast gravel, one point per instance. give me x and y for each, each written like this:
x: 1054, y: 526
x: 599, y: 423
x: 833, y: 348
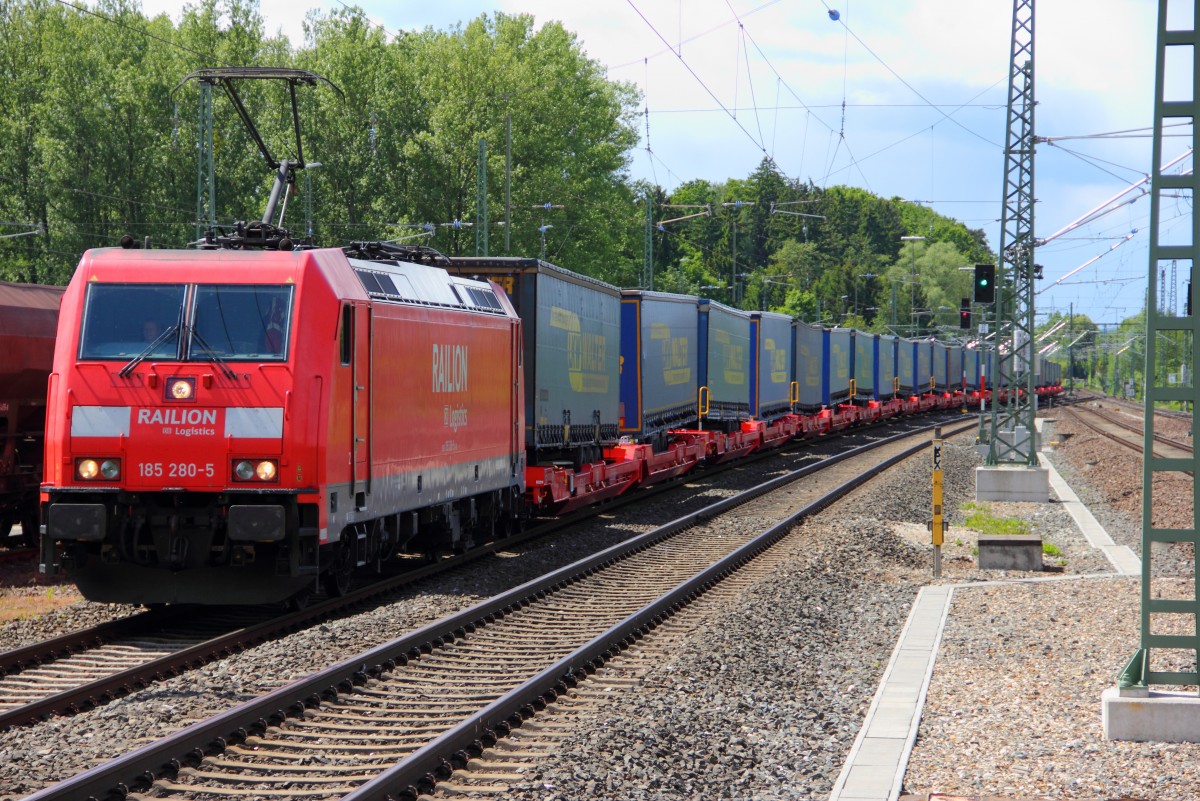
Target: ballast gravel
x: 766, y: 700
x: 35, y: 757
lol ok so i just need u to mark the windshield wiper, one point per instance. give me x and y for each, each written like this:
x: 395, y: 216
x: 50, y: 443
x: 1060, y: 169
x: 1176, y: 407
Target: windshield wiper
x: 141, y: 357
x: 213, y: 356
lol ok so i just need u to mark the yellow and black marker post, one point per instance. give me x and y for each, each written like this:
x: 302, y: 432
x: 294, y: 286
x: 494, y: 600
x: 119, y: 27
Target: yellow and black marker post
x: 937, y: 525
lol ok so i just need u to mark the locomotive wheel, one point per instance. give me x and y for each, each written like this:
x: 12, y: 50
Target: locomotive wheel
x: 337, y: 578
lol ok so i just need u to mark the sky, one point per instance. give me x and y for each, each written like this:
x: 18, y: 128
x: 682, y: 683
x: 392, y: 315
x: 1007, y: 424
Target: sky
x: 904, y: 98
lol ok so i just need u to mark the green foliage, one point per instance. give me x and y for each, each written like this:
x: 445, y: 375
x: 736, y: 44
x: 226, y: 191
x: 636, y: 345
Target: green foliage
x: 980, y: 518
x: 1050, y: 549
x: 98, y: 138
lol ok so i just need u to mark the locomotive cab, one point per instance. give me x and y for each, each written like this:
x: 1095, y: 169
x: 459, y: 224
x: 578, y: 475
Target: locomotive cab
x: 231, y: 426
x: 166, y: 422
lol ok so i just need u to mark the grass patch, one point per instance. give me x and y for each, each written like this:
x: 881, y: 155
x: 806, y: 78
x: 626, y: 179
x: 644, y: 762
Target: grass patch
x: 980, y: 518
x: 1049, y: 549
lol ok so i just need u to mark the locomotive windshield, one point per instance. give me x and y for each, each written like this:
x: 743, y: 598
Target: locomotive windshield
x: 229, y: 322
x: 239, y: 321
x: 123, y: 320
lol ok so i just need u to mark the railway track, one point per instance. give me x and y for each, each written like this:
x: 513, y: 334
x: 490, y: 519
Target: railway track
x: 91, y: 667
x: 1125, y: 432
x: 392, y: 722
x: 1172, y: 414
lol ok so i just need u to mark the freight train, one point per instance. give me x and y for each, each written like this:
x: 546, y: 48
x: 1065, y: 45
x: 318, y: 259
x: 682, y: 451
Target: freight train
x: 241, y: 425
x: 28, y: 319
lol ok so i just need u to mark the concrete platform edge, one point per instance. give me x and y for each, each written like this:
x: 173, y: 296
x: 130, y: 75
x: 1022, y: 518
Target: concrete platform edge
x: 928, y: 600
x: 1121, y: 557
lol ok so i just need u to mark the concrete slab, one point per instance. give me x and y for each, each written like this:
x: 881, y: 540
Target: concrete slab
x: 1163, y: 717
x: 880, y: 751
x: 1006, y: 483
x: 1016, y: 552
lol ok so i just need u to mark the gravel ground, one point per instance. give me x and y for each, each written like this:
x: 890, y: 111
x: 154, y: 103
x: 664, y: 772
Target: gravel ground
x: 753, y: 709
x: 1014, y: 706
x: 1014, y: 709
x: 31, y: 758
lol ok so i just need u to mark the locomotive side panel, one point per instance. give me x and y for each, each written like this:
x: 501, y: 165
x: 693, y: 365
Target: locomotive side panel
x: 773, y: 364
x: 810, y: 369
x: 725, y: 340
x: 659, y: 352
x: 441, y: 407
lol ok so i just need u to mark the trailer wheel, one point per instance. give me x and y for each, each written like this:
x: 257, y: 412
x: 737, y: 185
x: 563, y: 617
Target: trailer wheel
x: 337, y: 578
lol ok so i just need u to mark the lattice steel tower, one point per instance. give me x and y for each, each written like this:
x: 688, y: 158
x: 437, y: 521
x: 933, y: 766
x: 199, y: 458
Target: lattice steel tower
x: 1170, y: 610
x: 1014, y: 296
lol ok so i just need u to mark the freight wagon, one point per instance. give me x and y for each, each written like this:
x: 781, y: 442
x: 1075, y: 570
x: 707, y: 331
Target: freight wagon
x: 571, y: 353
x: 28, y: 320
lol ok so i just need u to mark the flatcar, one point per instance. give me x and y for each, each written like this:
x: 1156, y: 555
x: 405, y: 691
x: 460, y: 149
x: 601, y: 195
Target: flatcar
x: 231, y: 426
x: 28, y: 319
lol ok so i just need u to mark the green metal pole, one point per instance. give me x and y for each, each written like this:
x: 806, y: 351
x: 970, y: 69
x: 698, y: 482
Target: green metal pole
x: 481, y: 216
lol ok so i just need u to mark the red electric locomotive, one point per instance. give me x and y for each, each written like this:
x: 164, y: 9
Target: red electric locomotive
x: 28, y: 315
x: 226, y: 426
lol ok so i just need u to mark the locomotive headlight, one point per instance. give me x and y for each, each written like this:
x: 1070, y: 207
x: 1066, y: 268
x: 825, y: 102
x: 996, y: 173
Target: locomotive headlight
x: 256, y: 470
x: 98, y: 469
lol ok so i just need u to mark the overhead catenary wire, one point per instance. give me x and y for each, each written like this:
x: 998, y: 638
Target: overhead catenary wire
x: 698, y: 79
